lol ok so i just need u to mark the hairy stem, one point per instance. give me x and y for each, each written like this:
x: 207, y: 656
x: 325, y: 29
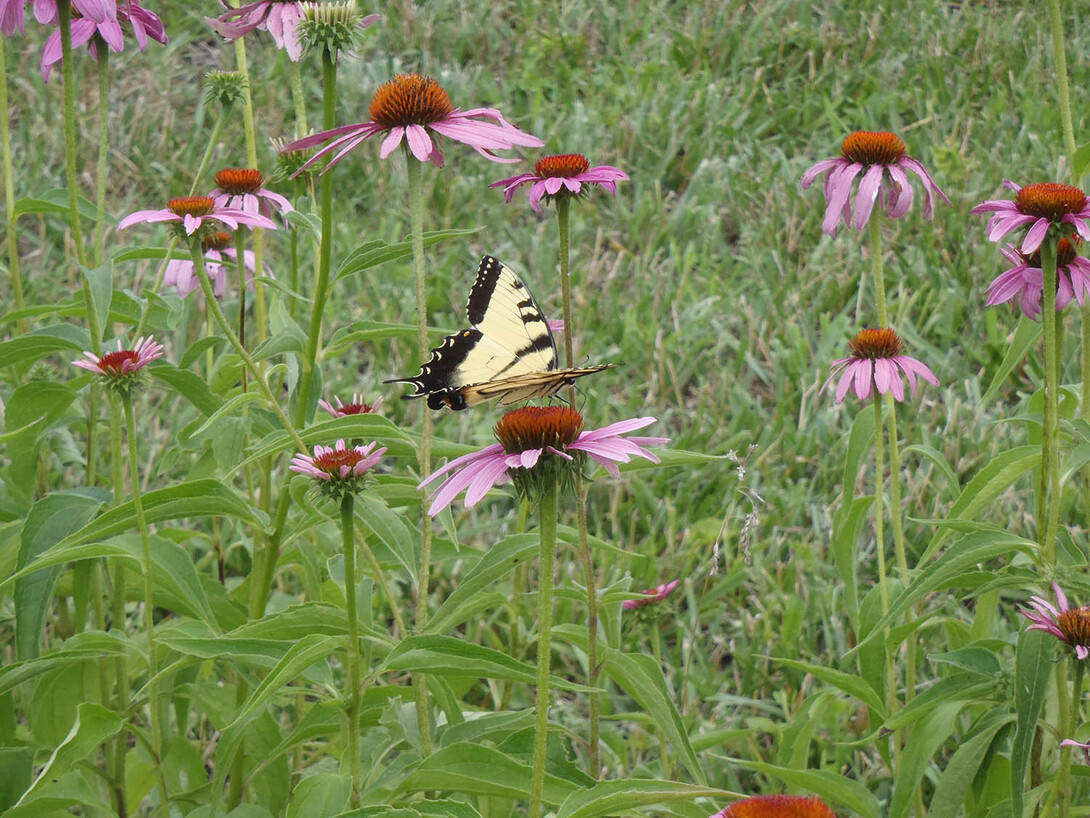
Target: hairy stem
x: 877, y: 271
x: 103, y: 151
x: 9, y: 194
x: 547, y: 531
x: 1050, y: 466
x: 352, y: 684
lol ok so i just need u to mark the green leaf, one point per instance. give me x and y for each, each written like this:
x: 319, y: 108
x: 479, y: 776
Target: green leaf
x: 449, y: 656
x: 850, y: 683
x: 642, y: 677
x: 379, y: 520
x: 1025, y: 336
x: 672, y: 457
x: 87, y: 645
x: 187, y: 385
x: 94, y: 724
x: 1082, y: 160
x: 16, y: 764
x: 364, y: 427
x: 56, y: 799
x: 981, y: 661
x: 940, y: 462
x: 498, y: 561
x: 376, y: 252
x: 849, y: 518
x: 472, y: 768
x: 320, y: 794
x: 621, y: 796
x: 51, y: 519
x: 830, y: 786
x: 928, y: 735
x: 960, y: 688
x: 359, y: 332
x: 101, y: 285
x: 56, y: 201
x: 38, y: 344
x: 1032, y: 669
x: 144, y: 253
x: 953, y: 785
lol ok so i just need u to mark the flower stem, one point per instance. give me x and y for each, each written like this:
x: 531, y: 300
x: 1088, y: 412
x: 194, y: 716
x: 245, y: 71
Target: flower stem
x: 117, y: 611
x: 9, y: 193
x: 210, y: 149
x: 879, y: 273
x: 64, y: 13
x: 1048, y: 501
x: 1061, y: 80
x: 423, y: 577
x: 295, y: 76
x: 240, y: 252
x: 103, y: 151
x: 157, y: 728
x: 563, y: 205
x: 217, y: 314
x: 547, y: 531
x: 656, y: 651
x: 251, y: 160
x: 329, y: 100
x: 352, y: 685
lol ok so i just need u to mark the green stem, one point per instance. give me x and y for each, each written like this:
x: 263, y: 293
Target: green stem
x: 878, y: 272
x: 103, y: 150
x: 329, y: 99
x: 656, y: 651
x: 562, y: 208
x: 295, y: 76
x: 117, y: 610
x: 1061, y: 81
x: 210, y: 149
x: 71, y: 144
x: 240, y: 252
x: 594, y: 670
x: 1050, y: 466
x: 217, y: 314
x: 9, y: 193
x: 547, y: 531
x: 260, y: 317
x: 158, y: 731
x: 352, y: 685
x: 423, y: 577
x: 384, y: 584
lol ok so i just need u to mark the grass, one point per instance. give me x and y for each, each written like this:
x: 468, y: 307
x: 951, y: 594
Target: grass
x: 708, y: 278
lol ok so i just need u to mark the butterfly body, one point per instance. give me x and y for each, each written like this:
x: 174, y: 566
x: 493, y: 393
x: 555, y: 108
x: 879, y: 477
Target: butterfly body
x: 508, y: 353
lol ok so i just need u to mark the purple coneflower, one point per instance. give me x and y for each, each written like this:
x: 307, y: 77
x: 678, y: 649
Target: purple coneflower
x: 193, y: 212
x: 884, y: 158
x: 1072, y: 625
x: 877, y: 361
x: 278, y: 17
x: 535, y: 438
x: 338, y: 470
x: 651, y: 596
x: 241, y: 189
x: 407, y: 108
x: 356, y: 407
x: 120, y: 365
x: 145, y: 24
x: 777, y: 806
x: 562, y: 175
x: 46, y: 13
x: 1040, y: 206
x: 181, y: 274
x: 12, y: 17
x: 1024, y: 282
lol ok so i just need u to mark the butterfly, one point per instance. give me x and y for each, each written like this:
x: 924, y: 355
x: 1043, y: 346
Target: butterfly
x: 508, y: 352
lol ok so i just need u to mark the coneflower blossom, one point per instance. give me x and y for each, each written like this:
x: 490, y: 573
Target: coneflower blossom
x: 651, y: 595
x: 47, y: 14
x: 777, y: 806
x: 1072, y: 625
x: 356, y: 407
x: 194, y: 212
x: 278, y: 17
x: 561, y: 175
x: 219, y: 256
x: 118, y: 367
x: 536, y: 439
x: 242, y: 189
x: 882, y: 159
x: 412, y: 108
x: 338, y: 470
x: 877, y: 362
x: 106, y: 23
x: 1038, y: 206
x: 1023, y: 283
x: 12, y: 17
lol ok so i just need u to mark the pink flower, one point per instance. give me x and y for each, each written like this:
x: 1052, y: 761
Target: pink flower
x: 411, y: 108
x: 46, y: 13
x: 1069, y: 742
x: 1039, y: 206
x: 884, y: 158
x: 777, y: 806
x: 356, y: 407
x: 533, y: 435
x: 12, y: 17
x: 338, y: 463
x: 877, y: 361
x: 278, y: 17
x: 1024, y: 282
x: 562, y: 175
x: 193, y: 212
x: 651, y: 596
x: 119, y: 365
x: 1072, y: 625
x: 241, y: 189
x: 181, y: 273
x: 106, y: 24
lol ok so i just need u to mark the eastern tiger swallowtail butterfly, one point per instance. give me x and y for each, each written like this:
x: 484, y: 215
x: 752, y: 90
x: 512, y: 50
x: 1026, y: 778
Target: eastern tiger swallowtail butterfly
x: 508, y: 353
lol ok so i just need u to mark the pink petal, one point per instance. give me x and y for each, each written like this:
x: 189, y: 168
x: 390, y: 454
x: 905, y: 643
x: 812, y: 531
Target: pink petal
x: 390, y: 143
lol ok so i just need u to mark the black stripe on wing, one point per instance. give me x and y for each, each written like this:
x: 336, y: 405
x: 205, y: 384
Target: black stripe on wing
x: 436, y: 377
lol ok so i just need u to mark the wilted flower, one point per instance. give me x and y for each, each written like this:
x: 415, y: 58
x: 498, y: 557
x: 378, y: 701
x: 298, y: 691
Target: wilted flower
x: 1039, y: 206
x: 193, y: 212
x: 777, y: 806
x: 538, y: 444
x: 338, y: 470
x: 1023, y: 283
x: 883, y: 157
x: 119, y: 369
x: 1072, y: 625
x: 651, y: 595
x: 877, y: 361
x: 181, y: 273
x: 279, y: 17
x: 356, y: 407
x: 563, y: 175
x: 242, y: 189
x: 412, y: 108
